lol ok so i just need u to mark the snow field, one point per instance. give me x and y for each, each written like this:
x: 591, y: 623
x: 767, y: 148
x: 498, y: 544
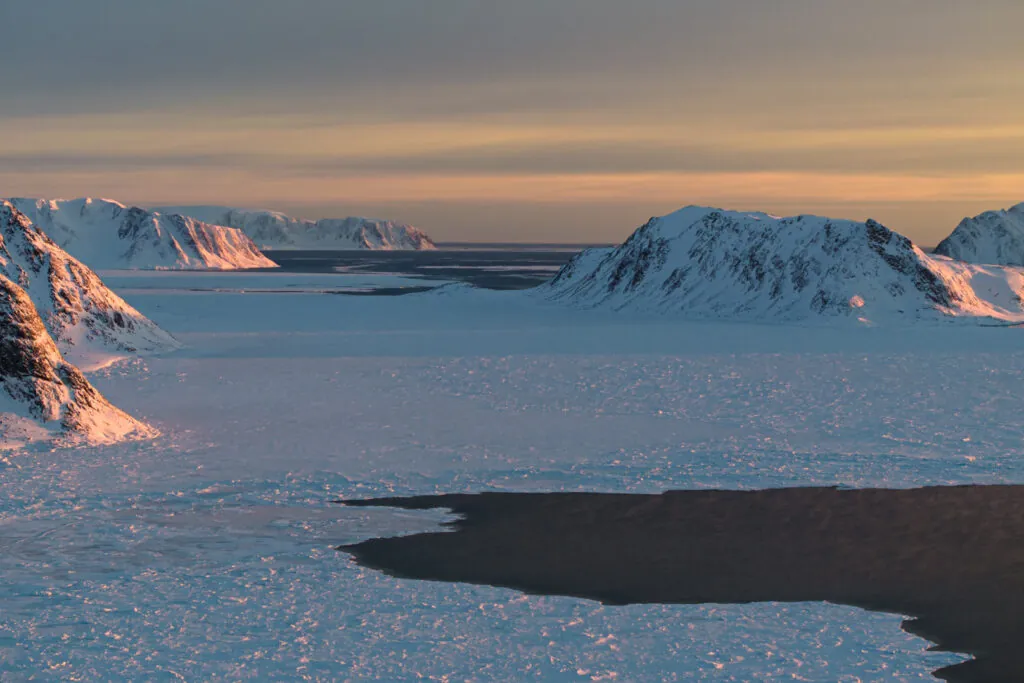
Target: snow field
x: 207, y: 554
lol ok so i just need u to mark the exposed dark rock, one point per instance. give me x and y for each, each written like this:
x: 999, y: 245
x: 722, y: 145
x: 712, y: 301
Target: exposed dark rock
x: 44, y: 387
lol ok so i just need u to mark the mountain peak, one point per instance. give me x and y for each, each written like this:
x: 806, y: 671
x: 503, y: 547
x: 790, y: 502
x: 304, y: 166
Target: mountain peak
x: 108, y: 234
x: 714, y: 263
x: 995, y: 237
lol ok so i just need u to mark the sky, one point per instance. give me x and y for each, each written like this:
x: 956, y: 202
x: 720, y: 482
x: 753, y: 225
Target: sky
x: 532, y: 120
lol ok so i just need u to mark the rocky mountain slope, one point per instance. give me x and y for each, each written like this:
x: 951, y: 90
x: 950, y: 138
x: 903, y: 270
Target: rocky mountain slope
x: 704, y: 262
x: 107, y: 234
x: 272, y: 230
x: 992, y: 237
x: 42, y: 396
x: 90, y: 324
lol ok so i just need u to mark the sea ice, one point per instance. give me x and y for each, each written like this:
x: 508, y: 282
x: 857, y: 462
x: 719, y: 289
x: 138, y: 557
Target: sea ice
x: 207, y: 554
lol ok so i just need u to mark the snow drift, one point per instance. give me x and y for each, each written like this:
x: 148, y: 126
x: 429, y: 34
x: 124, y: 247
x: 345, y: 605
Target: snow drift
x: 272, y: 230
x: 90, y: 324
x: 706, y: 262
x: 108, y: 234
x: 992, y: 237
x: 42, y: 396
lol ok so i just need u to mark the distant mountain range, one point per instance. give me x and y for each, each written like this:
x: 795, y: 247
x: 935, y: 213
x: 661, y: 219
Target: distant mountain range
x: 107, y: 234
x: 706, y: 262
x: 271, y: 230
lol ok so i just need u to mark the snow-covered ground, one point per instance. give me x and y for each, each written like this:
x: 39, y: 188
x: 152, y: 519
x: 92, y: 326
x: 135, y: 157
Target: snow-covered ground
x: 207, y: 554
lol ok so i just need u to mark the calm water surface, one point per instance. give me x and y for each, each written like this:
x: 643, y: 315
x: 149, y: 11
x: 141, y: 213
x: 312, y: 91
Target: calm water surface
x: 513, y: 266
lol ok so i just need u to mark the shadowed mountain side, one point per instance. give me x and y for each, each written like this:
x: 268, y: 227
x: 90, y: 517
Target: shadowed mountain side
x: 952, y: 558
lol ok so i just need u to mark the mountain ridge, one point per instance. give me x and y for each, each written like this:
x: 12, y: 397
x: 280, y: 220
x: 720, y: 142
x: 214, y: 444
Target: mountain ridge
x: 274, y: 230
x: 42, y: 396
x: 106, y: 234
x: 995, y: 237
x: 90, y: 323
x: 711, y: 263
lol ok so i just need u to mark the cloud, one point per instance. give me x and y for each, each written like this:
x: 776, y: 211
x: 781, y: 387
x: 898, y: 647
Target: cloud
x: 501, y: 149
x: 67, y: 55
x: 571, y: 103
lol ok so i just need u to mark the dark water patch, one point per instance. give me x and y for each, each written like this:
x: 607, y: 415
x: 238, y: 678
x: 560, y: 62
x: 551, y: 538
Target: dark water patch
x: 951, y: 558
x: 515, y: 267
x: 383, y: 291
x: 574, y: 247
x: 375, y: 291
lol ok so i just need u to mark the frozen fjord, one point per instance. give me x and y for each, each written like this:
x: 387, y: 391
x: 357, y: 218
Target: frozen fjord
x: 209, y: 552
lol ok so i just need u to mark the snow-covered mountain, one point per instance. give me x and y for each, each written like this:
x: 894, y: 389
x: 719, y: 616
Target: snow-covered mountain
x: 704, y: 262
x: 992, y: 237
x: 90, y: 324
x: 42, y: 396
x: 273, y: 230
x: 107, y: 234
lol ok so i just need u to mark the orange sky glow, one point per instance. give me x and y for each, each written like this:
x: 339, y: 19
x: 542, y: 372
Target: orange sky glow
x: 905, y: 112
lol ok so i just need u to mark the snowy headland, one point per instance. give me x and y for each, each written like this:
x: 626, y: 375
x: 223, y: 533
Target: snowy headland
x: 274, y: 230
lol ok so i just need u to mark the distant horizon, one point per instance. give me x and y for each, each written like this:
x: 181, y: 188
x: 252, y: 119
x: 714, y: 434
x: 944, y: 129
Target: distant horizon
x: 540, y: 238
x: 929, y: 243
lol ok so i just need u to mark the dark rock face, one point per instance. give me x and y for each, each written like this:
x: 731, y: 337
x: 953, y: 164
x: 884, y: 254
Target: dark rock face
x: 710, y: 262
x: 899, y: 253
x: 951, y: 558
x: 28, y: 356
x: 85, y: 401
x: 46, y: 387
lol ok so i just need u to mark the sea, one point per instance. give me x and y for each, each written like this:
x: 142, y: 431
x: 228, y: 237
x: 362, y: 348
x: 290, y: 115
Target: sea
x: 490, y: 266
